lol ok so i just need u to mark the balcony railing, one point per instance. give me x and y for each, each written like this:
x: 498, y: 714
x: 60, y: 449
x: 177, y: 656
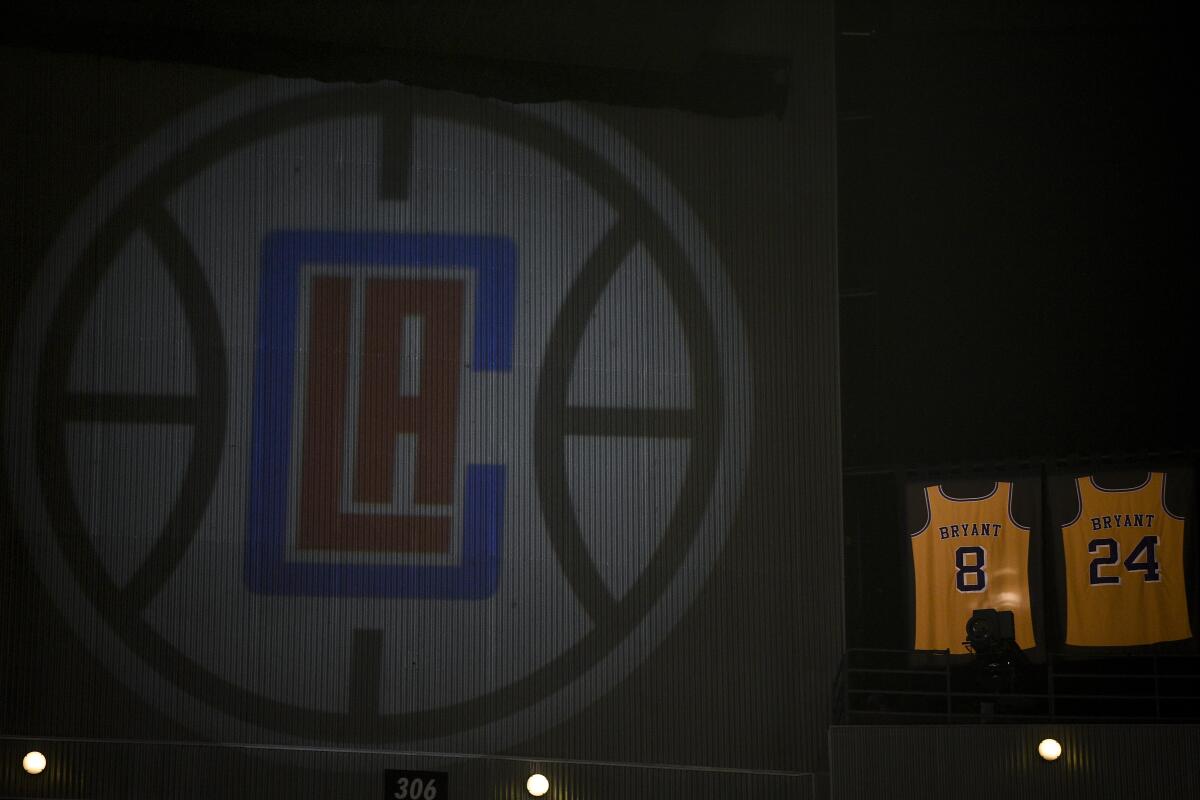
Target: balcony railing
x: 907, y: 687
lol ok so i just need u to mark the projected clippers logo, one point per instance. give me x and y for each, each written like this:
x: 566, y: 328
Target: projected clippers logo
x: 368, y: 414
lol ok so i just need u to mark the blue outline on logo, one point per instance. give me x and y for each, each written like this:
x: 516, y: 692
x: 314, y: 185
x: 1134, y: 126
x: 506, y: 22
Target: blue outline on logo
x: 494, y: 261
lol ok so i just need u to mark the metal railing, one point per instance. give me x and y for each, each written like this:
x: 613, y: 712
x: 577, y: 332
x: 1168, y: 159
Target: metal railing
x: 876, y: 686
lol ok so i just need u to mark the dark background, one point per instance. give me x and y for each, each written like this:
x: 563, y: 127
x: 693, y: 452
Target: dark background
x: 1015, y: 181
x: 1015, y: 195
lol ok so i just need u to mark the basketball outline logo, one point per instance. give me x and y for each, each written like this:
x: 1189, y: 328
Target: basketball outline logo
x: 622, y: 626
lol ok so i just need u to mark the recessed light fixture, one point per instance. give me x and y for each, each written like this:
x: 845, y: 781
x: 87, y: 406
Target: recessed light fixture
x: 537, y: 785
x: 1049, y: 749
x: 33, y: 762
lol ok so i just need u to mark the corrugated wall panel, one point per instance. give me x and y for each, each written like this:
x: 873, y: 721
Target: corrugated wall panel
x: 1001, y: 761
x: 367, y: 416
x: 97, y: 769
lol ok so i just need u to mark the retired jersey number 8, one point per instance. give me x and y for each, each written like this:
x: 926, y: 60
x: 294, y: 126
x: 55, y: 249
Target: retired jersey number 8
x: 970, y: 575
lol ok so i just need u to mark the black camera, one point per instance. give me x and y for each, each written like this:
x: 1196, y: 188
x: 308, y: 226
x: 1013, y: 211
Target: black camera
x: 990, y: 631
x: 991, y: 636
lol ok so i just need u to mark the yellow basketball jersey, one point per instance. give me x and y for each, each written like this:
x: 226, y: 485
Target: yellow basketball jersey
x: 1125, y: 569
x: 971, y: 555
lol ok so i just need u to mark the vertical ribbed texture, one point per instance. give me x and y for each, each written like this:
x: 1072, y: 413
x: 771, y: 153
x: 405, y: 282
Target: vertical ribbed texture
x: 77, y: 770
x: 618, y: 459
x: 1001, y: 761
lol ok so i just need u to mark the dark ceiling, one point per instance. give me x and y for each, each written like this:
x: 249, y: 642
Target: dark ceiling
x: 715, y: 56
x: 724, y: 57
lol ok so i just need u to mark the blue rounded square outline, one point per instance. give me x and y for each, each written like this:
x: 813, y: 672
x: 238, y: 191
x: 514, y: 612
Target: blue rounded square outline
x: 493, y: 259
